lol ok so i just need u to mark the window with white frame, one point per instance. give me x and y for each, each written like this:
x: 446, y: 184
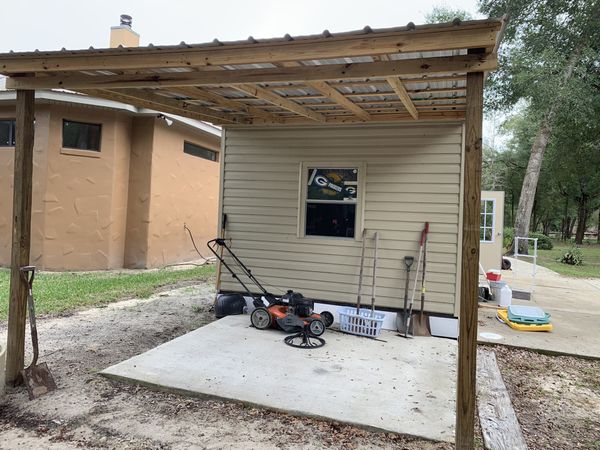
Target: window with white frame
x: 486, y: 224
x: 330, y: 201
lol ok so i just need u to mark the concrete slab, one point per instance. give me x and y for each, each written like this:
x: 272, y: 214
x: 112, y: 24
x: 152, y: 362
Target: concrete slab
x: 391, y: 384
x: 574, y: 304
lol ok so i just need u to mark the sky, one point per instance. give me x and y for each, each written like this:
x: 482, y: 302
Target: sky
x: 76, y: 24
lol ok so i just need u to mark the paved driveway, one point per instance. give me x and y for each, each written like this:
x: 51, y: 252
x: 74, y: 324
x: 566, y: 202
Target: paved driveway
x: 574, y: 304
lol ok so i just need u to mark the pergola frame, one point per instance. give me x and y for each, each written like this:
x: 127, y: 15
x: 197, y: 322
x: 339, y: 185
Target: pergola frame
x: 412, y: 73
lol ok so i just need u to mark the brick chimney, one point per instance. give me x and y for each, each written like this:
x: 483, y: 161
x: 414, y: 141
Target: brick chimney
x: 123, y: 34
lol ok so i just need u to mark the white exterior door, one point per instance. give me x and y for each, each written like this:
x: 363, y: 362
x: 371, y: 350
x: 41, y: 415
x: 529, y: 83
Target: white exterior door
x: 491, y: 227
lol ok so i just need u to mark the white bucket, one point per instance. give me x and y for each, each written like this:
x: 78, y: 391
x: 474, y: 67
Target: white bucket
x: 2, y: 366
x: 496, y: 288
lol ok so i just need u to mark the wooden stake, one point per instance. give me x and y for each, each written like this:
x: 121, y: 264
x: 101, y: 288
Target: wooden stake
x: 21, y: 235
x: 467, y: 339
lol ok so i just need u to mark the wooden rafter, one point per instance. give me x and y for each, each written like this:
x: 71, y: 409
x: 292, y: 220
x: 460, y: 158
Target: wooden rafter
x: 144, y: 99
x: 271, y: 97
x: 474, y: 34
x: 219, y: 100
x: 333, y: 94
x: 404, y: 97
x: 460, y: 63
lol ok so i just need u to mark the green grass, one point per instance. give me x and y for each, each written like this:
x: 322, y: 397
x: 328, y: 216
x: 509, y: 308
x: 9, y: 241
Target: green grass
x: 60, y: 292
x: 591, y: 260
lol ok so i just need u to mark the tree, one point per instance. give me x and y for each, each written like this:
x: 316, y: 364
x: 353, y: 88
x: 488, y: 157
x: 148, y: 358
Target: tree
x: 547, y: 44
x: 440, y: 14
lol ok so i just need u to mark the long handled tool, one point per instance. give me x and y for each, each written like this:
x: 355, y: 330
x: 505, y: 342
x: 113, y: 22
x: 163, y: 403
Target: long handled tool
x: 37, y: 377
x: 374, y: 284
x: 412, y: 298
x: 420, y: 323
x: 402, y: 316
x: 361, y: 271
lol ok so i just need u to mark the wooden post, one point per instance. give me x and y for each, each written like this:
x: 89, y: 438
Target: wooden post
x: 21, y: 235
x: 467, y: 340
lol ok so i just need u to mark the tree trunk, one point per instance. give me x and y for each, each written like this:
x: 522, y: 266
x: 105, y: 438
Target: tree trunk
x: 598, y: 229
x: 582, y: 215
x: 565, y: 221
x: 532, y: 174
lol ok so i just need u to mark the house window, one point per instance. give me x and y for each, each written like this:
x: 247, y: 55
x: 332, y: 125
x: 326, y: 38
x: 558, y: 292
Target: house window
x: 199, y: 151
x: 330, y: 201
x: 7, y: 133
x: 81, y: 136
x: 486, y: 225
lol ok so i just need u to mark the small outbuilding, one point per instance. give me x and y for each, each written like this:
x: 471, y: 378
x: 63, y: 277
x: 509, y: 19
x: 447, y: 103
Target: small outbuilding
x: 324, y: 136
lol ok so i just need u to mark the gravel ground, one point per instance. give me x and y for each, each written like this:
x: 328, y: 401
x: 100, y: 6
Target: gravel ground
x: 556, y: 398
x: 90, y: 411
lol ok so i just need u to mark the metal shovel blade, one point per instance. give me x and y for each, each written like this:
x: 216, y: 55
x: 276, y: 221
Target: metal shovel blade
x: 39, y: 380
x: 401, y: 321
x: 420, y: 325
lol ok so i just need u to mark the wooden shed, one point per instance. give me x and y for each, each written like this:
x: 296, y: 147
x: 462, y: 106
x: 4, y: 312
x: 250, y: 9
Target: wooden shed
x: 397, y: 113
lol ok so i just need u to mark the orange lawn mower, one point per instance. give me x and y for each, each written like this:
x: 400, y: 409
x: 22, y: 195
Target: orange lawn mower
x: 291, y: 312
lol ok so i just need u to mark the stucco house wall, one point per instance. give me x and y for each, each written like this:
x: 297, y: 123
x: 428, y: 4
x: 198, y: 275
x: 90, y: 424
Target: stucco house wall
x: 124, y: 206
x: 185, y: 190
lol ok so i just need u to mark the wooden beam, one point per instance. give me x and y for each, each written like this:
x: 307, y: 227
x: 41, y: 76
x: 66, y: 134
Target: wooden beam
x: 21, y: 235
x: 376, y: 81
x: 499, y: 425
x: 143, y: 99
x: 350, y: 118
x: 366, y: 94
x: 404, y: 97
x: 201, y: 94
x: 467, y: 338
x: 271, y: 97
x: 474, y: 34
x: 455, y: 64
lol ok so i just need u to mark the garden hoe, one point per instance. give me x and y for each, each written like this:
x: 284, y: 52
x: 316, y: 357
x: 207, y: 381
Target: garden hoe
x: 37, y: 377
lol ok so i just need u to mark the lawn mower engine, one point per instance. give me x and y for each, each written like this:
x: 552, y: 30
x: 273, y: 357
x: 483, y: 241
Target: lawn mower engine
x: 298, y: 305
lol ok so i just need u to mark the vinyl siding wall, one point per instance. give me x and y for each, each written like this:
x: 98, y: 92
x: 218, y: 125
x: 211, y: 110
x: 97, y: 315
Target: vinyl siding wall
x: 412, y: 176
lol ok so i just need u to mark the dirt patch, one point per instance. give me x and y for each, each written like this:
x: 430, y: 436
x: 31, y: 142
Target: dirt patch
x: 90, y: 411
x: 556, y: 398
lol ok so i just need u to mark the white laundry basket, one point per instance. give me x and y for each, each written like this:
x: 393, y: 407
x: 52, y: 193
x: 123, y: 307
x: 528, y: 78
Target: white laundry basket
x: 366, y: 323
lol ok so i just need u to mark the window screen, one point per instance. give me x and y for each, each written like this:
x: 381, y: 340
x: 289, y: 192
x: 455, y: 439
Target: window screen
x: 486, y: 225
x: 7, y: 133
x: 199, y: 151
x: 81, y: 136
x: 331, y: 202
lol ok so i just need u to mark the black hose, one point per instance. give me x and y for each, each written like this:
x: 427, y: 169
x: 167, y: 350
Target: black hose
x: 193, y: 242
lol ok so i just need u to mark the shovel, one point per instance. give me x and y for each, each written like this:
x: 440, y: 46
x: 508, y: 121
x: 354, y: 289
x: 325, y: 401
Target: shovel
x: 420, y: 321
x: 402, y: 316
x: 37, y: 377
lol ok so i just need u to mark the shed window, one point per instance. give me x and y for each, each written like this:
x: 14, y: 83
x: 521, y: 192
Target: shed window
x: 331, y: 195
x: 81, y: 136
x: 7, y: 133
x: 486, y: 226
x: 199, y: 151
